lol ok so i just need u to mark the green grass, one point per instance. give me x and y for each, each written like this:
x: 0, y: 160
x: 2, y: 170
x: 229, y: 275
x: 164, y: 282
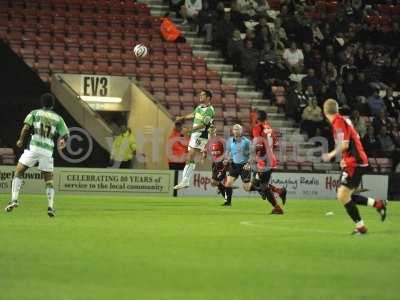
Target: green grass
x: 164, y: 248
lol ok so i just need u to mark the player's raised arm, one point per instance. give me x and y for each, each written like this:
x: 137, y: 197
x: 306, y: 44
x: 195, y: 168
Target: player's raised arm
x: 183, y: 118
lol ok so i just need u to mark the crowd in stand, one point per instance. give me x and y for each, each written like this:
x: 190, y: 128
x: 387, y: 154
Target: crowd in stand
x: 314, y: 50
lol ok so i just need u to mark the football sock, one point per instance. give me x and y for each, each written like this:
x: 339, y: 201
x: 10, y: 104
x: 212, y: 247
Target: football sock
x: 15, y: 188
x: 221, y: 188
x: 270, y: 197
x: 377, y: 204
x: 188, y: 172
x: 50, y: 193
x: 228, y: 192
x: 359, y: 200
x: 353, y: 212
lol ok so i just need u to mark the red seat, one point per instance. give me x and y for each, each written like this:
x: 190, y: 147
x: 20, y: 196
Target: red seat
x: 172, y: 86
x: 184, y: 49
x: 385, y: 164
x: 200, y: 75
x: 214, y: 86
x: 72, y: 67
x: 57, y: 67
x: 199, y: 85
x: 101, y: 69
x: 175, y: 110
x: 292, y: 165
x: 86, y: 67
x: 129, y: 70
x: 186, y: 85
x: 306, y: 166
x: 187, y: 101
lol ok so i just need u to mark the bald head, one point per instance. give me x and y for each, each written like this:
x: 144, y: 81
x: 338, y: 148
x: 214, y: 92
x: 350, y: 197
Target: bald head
x: 331, y: 108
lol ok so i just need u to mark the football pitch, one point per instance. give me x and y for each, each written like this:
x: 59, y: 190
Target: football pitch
x: 106, y: 247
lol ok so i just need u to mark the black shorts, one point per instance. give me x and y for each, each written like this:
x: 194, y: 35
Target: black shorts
x: 262, y: 178
x: 237, y: 169
x: 218, y: 171
x: 351, y: 178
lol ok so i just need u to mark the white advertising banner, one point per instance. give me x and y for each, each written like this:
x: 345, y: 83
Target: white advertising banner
x: 98, y: 181
x: 298, y: 185
x: 108, y: 181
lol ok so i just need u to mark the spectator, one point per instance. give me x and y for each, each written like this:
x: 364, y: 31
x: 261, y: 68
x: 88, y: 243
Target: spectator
x: 310, y: 94
x: 235, y: 48
x: 361, y: 104
x: 247, y: 7
x: 178, y: 143
x: 360, y: 86
x: 392, y: 103
x: 278, y: 34
x: 311, y: 79
x: 359, y: 123
x: 395, y: 134
x: 371, y: 143
x: 380, y: 120
x: 206, y: 17
x: 222, y: 30
x: 123, y: 149
x: 340, y: 96
x: 296, y: 101
x: 329, y: 54
x: 375, y: 103
x: 249, y: 59
x: 387, y: 145
x: 311, y: 118
x: 262, y: 34
x: 190, y: 10
x: 237, y: 17
x: 169, y: 31
x: 360, y: 59
x: 331, y: 72
x: 317, y: 35
x: 312, y: 57
x: 293, y: 58
x: 324, y: 94
x: 270, y: 71
x: 348, y: 67
x: 175, y: 6
x: 348, y: 87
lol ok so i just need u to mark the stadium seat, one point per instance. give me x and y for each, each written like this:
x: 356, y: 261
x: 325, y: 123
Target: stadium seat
x: 373, y: 164
x: 385, y: 164
x: 306, y: 166
x: 292, y: 165
x: 57, y: 67
x: 72, y: 67
x: 175, y: 110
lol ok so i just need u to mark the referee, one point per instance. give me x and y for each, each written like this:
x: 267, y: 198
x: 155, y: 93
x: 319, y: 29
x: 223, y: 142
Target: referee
x: 238, y: 155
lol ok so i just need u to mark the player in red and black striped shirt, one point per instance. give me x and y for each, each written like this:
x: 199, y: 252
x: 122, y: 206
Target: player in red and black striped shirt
x: 354, y: 163
x: 264, y: 134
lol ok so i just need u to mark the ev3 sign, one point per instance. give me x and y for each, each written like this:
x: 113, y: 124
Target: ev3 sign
x: 98, y: 86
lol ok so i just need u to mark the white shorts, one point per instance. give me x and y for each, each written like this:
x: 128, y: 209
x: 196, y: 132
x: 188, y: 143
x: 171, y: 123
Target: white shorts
x: 197, y: 142
x: 30, y: 159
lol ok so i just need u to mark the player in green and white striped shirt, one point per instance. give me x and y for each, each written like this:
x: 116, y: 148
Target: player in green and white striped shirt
x: 203, y: 117
x: 46, y: 125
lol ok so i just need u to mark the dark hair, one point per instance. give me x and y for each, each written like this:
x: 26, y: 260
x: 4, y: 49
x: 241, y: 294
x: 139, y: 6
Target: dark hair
x: 208, y: 93
x: 261, y: 115
x: 47, y: 100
